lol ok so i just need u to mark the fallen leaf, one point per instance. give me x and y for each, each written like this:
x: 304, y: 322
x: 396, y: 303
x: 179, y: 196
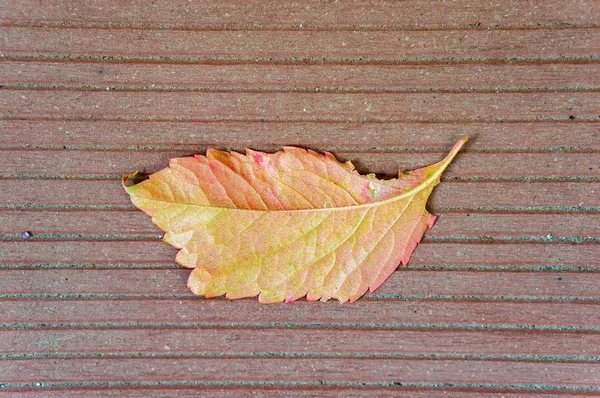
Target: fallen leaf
x: 287, y: 225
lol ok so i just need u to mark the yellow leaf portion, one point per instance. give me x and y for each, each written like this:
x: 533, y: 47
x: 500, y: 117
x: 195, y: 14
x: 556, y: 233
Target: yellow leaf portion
x: 287, y: 225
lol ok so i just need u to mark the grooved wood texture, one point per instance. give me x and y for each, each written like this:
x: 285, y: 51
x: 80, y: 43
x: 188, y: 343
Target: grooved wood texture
x: 502, y: 297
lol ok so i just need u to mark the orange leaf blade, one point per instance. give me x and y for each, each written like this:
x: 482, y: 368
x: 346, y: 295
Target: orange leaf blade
x: 287, y: 225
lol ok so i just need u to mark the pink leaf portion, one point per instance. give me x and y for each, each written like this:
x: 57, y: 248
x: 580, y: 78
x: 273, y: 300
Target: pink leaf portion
x: 287, y: 225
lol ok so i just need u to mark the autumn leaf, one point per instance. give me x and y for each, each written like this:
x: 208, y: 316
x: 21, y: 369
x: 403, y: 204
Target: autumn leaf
x: 287, y: 225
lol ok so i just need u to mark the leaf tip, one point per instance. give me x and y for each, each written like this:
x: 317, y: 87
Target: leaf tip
x: 455, y: 149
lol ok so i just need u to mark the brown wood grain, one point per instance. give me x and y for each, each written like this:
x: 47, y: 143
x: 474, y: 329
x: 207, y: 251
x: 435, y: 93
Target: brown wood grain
x: 414, y: 14
x: 221, y: 312
x: 394, y: 137
x: 302, y: 369
x: 165, y: 341
x: 318, y: 78
x: 408, y: 282
x: 185, y: 106
x: 300, y: 45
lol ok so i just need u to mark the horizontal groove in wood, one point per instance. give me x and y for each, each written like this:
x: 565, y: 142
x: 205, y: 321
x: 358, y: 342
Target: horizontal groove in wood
x: 299, y: 106
x: 301, y: 389
x: 288, y: 89
x: 172, y: 26
x: 422, y: 45
x: 317, y: 78
x: 374, y: 296
x: 451, y: 238
x: 306, y: 15
x: 99, y: 177
x: 302, y: 369
x: 326, y: 90
x: 460, y: 285
x: 295, y: 355
x: 343, y: 341
x: 439, y: 267
x: 393, y: 137
x: 360, y: 313
x: 328, y: 119
x: 469, y: 195
x: 180, y: 60
x: 426, y: 255
x: 480, y: 166
x: 446, y: 209
x: 305, y: 389
x: 299, y: 326
x: 133, y: 222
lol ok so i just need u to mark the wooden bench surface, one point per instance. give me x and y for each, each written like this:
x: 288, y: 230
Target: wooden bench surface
x: 502, y: 298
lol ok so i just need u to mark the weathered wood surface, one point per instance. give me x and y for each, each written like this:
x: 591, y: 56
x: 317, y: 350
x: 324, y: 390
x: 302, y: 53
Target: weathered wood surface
x: 500, y: 299
x: 313, y: 14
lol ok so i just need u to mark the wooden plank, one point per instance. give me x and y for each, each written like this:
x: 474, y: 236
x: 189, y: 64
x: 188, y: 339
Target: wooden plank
x: 454, y: 194
x: 312, y: 14
x: 458, y: 285
x: 476, y: 343
x: 269, y: 45
x: 437, y: 254
x: 392, y: 137
x: 552, y: 165
x: 248, y: 312
x: 175, y: 106
x: 494, y: 226
x: 261, y: 77
x: 301, y: 370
